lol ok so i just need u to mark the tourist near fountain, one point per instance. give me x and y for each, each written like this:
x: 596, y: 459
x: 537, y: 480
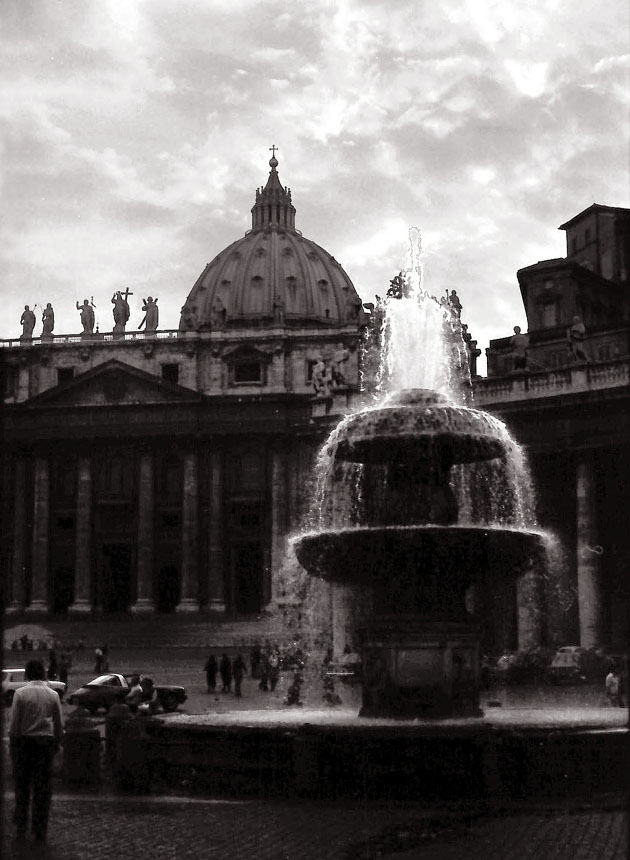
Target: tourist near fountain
x: 423, y: 503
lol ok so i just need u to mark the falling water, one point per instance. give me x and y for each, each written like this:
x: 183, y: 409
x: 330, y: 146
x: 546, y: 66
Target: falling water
x: 422, y: 348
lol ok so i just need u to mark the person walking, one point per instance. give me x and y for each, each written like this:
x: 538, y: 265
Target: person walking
x: 264, y: 672
x: 53, y: 666
x: 211, y: 668
x: 225, y: 670
x: 238, y: 670
x: 35, y: 733
x: 64, y: 668
x: 274, y: 668
x: 613, y: 687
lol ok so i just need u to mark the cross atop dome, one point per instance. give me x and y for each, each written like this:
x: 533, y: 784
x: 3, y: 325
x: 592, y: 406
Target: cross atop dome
x: 273, y: 207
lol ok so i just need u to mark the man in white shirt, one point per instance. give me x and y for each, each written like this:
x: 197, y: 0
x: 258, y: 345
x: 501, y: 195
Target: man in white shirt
x: 36, y: 732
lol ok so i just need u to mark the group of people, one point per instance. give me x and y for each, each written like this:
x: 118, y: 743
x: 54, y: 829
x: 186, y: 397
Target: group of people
x: 265, y: 664
x: 230, y: 671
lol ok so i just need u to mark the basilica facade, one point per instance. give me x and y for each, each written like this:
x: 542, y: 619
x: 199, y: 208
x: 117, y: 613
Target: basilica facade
x: 161, y: 471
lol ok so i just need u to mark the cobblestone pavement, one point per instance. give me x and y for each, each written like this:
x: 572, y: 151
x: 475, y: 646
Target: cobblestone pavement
x: 110, y: 826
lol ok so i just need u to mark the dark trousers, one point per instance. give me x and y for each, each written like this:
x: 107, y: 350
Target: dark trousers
x: 32, y: 766
x: 238, y: 680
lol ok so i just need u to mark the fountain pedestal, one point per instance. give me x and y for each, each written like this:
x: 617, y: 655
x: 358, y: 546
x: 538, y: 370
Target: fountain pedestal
x: 418, y: 666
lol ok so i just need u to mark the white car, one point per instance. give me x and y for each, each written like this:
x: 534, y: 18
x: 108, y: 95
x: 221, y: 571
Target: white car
x: 13, y: 679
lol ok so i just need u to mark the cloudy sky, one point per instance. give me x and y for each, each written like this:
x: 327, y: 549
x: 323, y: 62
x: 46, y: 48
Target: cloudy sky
x: 134, y: 134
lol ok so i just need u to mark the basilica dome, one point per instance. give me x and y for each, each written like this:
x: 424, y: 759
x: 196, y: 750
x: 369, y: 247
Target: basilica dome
x: 272, y: 276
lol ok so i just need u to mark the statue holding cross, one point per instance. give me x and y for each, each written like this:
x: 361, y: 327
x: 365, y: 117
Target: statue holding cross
x: 121, y: 310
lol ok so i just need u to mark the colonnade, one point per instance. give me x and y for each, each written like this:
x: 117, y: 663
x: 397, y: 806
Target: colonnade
x: 588, y: 566
x: 209, y: 545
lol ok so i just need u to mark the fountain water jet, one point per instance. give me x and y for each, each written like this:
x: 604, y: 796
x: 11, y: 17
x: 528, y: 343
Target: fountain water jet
x: 403, y: 514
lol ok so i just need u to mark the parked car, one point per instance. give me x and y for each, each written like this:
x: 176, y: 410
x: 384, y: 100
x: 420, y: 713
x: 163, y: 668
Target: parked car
x: 106, y: 690
x: 13, y: 679
x: 575, y: 664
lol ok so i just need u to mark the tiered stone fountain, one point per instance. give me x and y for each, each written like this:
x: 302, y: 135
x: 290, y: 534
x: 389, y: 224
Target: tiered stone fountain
x: 409, y: 558
x: 401, y: 528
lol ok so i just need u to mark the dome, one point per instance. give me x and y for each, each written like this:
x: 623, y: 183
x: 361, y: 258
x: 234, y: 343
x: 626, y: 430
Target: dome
x: 272, y: 276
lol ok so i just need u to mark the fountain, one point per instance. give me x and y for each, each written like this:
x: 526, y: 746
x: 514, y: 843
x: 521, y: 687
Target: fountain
x: 407, y: 515
x: 423, y: 507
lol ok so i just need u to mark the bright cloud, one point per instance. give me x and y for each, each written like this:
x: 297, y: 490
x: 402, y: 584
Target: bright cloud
x: 134, y: 133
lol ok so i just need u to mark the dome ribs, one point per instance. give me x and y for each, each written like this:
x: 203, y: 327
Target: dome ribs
x: 272, y: 276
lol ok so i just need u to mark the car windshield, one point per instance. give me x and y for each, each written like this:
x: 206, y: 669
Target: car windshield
x: 105, y: 681
x: 13, y: 674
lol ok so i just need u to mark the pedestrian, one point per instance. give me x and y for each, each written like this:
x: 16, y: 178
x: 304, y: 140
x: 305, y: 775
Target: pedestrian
x: 98, y: 661
x: 274, y: 668
x: 211, y: 668
x: 225, y: 670
x: 64, y: 667
x: 613, y: 687
x: 238, y: 670
x: 254, y: 660
x: 264, y: 672
x: 52, y: 666
x: 105, y: 661
x: 35, y: 732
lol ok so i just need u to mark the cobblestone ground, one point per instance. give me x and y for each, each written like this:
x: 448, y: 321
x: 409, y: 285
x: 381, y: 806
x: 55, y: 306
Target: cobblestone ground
x: 106, y: 827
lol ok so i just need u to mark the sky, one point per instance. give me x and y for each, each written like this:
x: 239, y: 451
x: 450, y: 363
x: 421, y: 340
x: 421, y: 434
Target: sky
x: 135, y: 132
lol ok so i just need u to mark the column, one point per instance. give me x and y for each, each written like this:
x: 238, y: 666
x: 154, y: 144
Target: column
x: 216, y: 557
x: 279, y: 513
x: 82, y: 603
x: 144, y: 594
x: 41, y: 514
x: 189, y: 599
x: 589, y: 573
x: 529, y: 610
x: 18, y: 559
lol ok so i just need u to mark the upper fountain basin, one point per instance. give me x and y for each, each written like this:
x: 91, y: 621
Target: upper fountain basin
x: 412, y: 426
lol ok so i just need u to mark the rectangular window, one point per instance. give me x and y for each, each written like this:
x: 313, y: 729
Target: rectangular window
x: 247, y: 371
x: 170, y: 373
x: 603, y: 352
x: 549, y: 315
x: 64, y: 374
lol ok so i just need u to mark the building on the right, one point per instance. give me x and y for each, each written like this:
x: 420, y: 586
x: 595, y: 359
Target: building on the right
x: 563, y: 389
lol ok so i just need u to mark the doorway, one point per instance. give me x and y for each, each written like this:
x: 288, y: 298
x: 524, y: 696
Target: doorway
x: 116, y: 577
x: 168, y: 588
x: 62, y: 589
x: 247, y: 577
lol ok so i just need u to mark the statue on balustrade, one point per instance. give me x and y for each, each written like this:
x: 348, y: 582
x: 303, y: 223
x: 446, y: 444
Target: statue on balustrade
x: 121, y: 310
x: 472, y: 351
x: 87, y: 316
x: 322, y: 379
x: 520, y: 344
x: 339, y: 359
x: 576, y: 335
x: 151, y: 315
x: 48, y: 320
x: 27, y: 321
x: 454, y: 302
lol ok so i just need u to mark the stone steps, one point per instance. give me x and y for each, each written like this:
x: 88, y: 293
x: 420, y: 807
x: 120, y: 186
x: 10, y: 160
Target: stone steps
x: 154, y: 632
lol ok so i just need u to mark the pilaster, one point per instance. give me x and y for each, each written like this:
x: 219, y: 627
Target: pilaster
x: 41, y: 515
x: 216, y: 559
x: 82, y: 604
x: 589, y: 572
x: 18, y: 559
x: 144, y: 594
x: 189, y: 600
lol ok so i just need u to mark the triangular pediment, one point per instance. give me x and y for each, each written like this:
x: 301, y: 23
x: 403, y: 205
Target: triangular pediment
x: 113, y: 383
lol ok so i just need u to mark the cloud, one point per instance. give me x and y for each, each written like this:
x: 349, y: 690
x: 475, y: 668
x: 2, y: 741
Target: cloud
x: 134, y: 135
